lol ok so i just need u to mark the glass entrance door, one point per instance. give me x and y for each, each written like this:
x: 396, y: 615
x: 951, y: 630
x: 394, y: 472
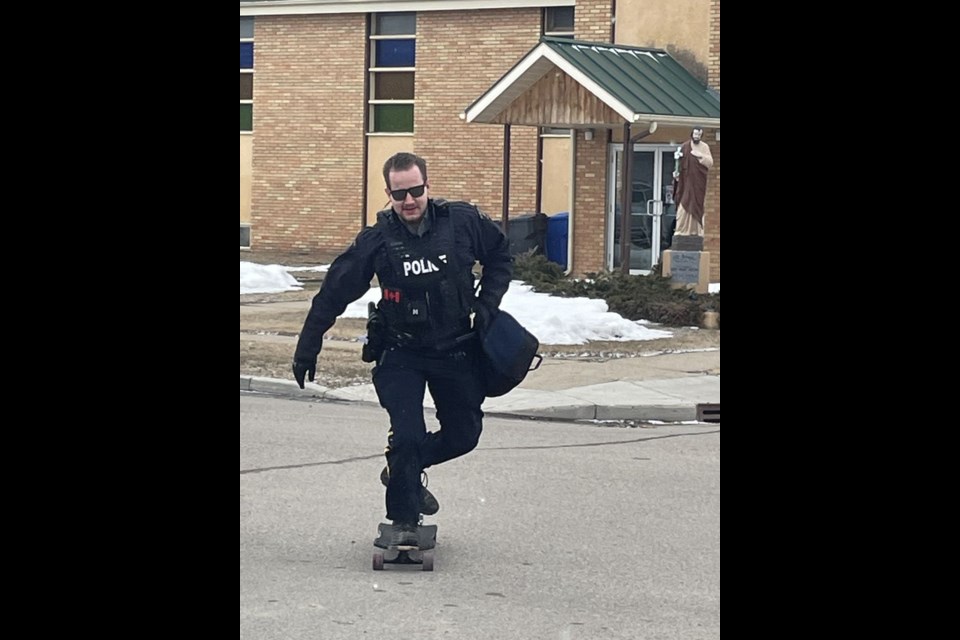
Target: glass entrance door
x: 652, y: 210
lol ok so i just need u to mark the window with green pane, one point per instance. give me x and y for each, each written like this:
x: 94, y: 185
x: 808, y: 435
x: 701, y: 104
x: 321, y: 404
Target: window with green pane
x: 246, y: 75
x: 392, y: 45
x: 393, y: 118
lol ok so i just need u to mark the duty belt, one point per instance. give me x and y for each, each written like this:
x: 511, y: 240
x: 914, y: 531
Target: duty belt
x: 446, y: 343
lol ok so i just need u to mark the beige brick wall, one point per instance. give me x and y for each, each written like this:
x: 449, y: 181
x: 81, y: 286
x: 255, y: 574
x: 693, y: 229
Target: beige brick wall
x: 589, y: 216
x: 308, y: 137
x: 246, y: 175
x: 711, y: 206
x: 591, y: 20
x: 308, y: 109
x: 308, y: 179
x: 591, y: 23
x: 459, y: 56
x: 711, y: 230
x: 713, y: 66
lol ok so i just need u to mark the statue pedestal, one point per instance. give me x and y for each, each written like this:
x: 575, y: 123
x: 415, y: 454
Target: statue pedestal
x: 687, y: 243
x: 687, y: 269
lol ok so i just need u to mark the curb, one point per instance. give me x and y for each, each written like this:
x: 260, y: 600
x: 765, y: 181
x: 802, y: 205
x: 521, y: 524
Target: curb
x: 519, y: 403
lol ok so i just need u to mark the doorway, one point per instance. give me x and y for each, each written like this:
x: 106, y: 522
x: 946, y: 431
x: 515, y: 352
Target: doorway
x: 652, y: 211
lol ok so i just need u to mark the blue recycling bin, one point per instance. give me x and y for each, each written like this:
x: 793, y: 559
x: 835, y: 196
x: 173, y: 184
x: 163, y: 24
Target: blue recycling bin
x: 557, y: 233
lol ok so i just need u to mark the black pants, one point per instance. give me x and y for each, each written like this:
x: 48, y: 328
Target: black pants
x: 401, y: 379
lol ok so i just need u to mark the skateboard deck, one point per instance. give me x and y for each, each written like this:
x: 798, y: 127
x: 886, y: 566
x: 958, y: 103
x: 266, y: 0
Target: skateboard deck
x: 420, y: 556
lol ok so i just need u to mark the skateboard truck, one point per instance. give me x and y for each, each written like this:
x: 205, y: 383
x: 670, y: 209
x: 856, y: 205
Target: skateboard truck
x: 405, y: 555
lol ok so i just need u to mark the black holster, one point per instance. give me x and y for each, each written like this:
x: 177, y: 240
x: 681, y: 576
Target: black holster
x: 375, y: 335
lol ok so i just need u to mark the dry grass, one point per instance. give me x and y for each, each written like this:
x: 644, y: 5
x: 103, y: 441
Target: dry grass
x: 268, y: 337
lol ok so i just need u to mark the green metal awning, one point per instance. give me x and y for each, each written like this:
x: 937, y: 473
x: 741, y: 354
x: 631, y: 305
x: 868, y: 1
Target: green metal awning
x: 635, y: 84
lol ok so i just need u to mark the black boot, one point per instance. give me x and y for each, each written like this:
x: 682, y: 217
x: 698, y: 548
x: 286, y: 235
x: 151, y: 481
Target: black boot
x: 428, y: 503
x: 405, y: 535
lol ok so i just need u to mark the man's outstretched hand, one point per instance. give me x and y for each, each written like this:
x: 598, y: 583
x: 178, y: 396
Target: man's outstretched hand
x: 303, y: 367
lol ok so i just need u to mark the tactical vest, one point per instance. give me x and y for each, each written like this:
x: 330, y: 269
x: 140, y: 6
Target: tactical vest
x: 425, y: 294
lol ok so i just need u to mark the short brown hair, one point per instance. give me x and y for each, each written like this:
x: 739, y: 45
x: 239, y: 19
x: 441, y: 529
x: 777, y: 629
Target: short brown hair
x: 401, y: 162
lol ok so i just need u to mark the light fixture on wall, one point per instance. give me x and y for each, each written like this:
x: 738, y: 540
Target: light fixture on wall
x: 588, y: 134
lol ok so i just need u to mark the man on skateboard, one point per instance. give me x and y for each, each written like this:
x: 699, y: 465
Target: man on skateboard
x: 422, y: 251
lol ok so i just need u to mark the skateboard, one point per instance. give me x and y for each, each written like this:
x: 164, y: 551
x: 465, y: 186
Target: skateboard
x: 421, y: 556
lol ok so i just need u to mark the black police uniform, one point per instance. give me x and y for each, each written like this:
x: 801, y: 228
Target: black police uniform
x: 427, y: 294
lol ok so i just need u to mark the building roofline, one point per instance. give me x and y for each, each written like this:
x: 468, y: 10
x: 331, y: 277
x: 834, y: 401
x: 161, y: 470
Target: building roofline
x: 306, y: 7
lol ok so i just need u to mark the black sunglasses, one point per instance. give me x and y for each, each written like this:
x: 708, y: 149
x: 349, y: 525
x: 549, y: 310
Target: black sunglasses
x: 401, y: 194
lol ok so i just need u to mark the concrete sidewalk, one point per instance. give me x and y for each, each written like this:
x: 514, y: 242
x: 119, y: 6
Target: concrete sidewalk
x: 666, y: 387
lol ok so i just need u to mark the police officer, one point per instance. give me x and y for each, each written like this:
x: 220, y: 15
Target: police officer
x: 422, y: 251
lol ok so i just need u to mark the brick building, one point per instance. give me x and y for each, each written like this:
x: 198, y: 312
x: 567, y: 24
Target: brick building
x: 330, y: 89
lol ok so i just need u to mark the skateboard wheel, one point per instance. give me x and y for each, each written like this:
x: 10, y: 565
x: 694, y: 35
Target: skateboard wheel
x: 428, y: 560
x: 378, y: 562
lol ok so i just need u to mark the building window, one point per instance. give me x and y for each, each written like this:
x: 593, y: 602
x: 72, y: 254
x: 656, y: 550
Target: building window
x: 393, y: 61
x: 558, y: 21
x: 246, y: 75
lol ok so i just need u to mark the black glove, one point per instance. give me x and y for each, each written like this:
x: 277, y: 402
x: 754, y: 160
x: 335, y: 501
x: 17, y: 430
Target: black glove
x: 483, y: 315
x: 303, y: 367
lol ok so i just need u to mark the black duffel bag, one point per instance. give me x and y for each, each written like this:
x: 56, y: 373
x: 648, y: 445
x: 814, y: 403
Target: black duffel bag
x: 507, y: 350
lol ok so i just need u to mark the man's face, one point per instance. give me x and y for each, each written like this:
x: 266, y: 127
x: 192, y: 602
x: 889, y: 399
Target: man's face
x: 409, y: 207
x: 697, y: 134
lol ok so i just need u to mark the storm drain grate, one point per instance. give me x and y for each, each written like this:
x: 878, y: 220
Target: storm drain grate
x: 708, y: 412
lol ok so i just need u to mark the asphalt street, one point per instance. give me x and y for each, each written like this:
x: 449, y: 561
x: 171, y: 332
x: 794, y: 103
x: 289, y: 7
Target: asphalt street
x: 554, y: 530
